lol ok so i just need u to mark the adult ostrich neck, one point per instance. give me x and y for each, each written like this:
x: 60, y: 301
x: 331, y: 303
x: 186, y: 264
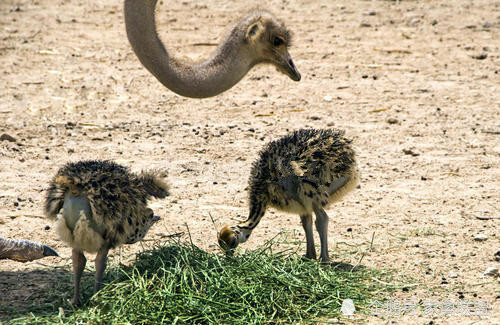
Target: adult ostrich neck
x: 221, y: 71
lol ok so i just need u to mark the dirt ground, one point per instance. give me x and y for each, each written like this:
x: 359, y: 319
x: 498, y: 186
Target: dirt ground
x: 416, y: 84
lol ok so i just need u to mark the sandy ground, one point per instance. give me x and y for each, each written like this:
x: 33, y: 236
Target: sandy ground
x: 415, y: 83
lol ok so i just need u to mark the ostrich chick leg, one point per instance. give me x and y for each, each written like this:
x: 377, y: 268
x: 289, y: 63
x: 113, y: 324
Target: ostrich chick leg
x: 307, y: 224
x: 100, y: 266
x: 322, y: 227
x: 79, y: 262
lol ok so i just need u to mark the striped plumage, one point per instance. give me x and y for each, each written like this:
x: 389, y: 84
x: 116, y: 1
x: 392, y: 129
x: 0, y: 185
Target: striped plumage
x: 104, y: 205
x: 302, y: 172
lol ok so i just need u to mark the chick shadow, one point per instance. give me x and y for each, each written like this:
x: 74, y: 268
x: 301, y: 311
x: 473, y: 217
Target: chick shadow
x: 37, y: 291
x: 42, y: 292
x: 346, y: 267
x: 338, y: 266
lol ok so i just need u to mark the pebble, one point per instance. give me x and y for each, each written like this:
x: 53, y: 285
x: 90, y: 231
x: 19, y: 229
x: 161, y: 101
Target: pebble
x: 497, y: 256
x: 493, y: 271
x: 392, y: 120
x: 410, y: 152
x: 327, y: 98
x: 480, y: 237
x: 369, y: 13
x: 452, y: 275
x: 481, y: 56
x: 414, y: 22
x: 7, y: 137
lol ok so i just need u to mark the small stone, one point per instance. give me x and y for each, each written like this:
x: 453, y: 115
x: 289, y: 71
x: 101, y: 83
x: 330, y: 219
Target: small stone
x: 480, y: 237
x: 327, y: 98
x: 47, y: 227
x: 481, y: 56
x: 452, y: 275
x: 366, y: 25
x: 15, y: 9
x: 315, y: 118
x: 349, y: 229
x: 7, y: 137
x: 369, y: 13
x: 497, y: 256
x: 493, y: 271
x: 392, y: 120
x: 410, y: 152
x: 347, y: 308
x: 414, y: 22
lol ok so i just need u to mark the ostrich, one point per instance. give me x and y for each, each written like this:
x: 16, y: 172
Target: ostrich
x: 257, y: 38
x: 301, y: 173
x: 23, y: 250
x: 104, y: 206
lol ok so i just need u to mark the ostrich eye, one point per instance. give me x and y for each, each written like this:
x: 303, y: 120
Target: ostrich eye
x: 277, y: 41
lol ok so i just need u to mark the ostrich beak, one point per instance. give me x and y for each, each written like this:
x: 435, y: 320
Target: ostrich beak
x: 23, y: 250
x: 289, y: 68
x: 49, y: 251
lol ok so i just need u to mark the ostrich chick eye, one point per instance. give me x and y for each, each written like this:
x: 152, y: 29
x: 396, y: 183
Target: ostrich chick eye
x: 277, y: 41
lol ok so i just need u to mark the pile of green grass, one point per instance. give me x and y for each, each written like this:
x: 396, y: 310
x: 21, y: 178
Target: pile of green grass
x: 180, y: 283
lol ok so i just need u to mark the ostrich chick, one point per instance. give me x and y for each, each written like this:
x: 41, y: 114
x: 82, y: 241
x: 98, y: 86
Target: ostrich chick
x: 104, y: 206
x: 300, y: 173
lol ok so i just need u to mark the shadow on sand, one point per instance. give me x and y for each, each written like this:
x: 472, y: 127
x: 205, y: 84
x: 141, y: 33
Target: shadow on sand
x: 39, y: 292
